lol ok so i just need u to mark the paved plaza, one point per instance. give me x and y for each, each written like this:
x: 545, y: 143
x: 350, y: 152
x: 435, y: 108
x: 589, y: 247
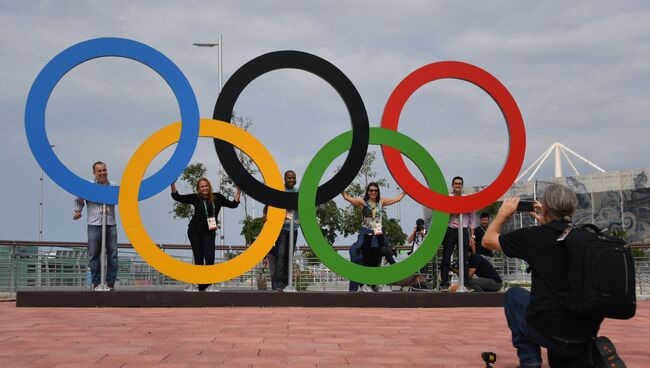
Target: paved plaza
x: 274, y: 337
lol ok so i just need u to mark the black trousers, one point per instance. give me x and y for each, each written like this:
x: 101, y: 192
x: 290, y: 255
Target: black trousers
x: 203, y: 248
x: 372, y: 256
x: 448, y: 244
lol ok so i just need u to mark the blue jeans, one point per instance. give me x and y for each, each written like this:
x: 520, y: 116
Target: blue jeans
x: 95, y: 251
x: 528, y: 341
x: 356, y: 257
x: 281, y: 268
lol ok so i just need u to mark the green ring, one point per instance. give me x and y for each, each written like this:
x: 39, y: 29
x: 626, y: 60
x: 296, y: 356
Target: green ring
x: 320, y: 246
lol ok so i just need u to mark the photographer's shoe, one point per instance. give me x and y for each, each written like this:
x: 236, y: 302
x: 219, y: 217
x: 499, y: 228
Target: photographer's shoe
x: 605, y: 354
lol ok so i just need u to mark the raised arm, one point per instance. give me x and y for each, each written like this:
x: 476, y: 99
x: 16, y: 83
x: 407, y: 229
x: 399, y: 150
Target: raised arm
x: 237, y: 194
x: 225, y: 202
x: 183, y: 198
x: 354, y: 201
x: 491, y: 237
x: 389, y: 201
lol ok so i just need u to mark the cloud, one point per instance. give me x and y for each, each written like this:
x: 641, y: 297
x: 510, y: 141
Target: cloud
x: 577, y: 70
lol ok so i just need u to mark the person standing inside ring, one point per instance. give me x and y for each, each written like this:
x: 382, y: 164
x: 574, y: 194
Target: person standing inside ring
x: 95, y: 222
x: 202, y: 229
x: 278, y: 257
x: 371, y: 211
x: 450, y: 240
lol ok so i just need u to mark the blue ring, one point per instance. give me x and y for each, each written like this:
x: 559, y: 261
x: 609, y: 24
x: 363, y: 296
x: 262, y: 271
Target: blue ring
x: 96, y: 48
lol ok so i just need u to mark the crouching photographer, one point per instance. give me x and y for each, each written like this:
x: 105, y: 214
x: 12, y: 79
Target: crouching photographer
x: 537, y: 318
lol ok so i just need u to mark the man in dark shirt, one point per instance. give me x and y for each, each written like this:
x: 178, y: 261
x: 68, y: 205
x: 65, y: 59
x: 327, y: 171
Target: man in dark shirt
x: 487, y: 277
x: 484, y: 221
x: 537, y: 318
x: 278, y: 257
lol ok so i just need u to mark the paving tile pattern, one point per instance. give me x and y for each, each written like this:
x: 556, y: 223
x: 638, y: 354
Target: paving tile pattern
x: 274, y: 337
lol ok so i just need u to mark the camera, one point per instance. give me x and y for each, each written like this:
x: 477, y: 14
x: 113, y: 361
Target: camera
x: 419, y: 225
x: 488, y: 358
x: 525, y: 205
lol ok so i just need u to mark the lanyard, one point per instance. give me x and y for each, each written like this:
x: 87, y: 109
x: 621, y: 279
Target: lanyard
x: 376, y: 209
x: 214, y: 208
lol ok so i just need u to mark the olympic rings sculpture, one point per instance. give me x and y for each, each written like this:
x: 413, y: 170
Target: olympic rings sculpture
x: 227, y: 136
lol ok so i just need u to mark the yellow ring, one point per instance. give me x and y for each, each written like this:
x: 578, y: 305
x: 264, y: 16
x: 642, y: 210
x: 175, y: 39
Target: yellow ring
x: 168, y: 265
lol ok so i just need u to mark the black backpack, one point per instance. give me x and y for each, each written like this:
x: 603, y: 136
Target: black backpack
x: 601, y: 273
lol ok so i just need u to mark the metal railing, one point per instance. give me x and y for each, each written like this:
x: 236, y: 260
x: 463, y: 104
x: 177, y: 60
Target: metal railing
x: 60, y: 265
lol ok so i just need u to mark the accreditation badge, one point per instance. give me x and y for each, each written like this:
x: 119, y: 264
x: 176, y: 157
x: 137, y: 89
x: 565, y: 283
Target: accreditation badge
x: 377, y: 229
x: 212, y: 223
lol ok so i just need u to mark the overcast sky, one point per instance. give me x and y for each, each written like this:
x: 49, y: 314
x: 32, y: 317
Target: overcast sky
x: 579, y: 71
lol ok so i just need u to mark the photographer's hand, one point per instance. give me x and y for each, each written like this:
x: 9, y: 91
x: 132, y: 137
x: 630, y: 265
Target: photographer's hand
x: 537, y: 213
x: 491, y: 237
x: 508, y: 208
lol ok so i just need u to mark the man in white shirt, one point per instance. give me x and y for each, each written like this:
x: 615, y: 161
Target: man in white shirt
x: 95, y: 221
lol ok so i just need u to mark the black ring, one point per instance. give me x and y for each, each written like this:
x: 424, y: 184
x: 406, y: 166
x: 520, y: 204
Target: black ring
x: 329, y: 73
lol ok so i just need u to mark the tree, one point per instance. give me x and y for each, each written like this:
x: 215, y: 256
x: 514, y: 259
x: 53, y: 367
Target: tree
x: 251, y: 228
x: 226, y: 186
x: 329, y: 219
x: 490, y: 210
x: 190, y: 176
x: 622, y: 234
x: 393, y: 230
x: 366, y: 172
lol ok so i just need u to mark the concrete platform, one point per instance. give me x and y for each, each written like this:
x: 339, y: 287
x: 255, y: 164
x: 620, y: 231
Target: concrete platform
x: 256, y: 299
x: 275, y: 337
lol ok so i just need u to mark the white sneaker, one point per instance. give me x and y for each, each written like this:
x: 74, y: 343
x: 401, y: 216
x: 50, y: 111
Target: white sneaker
x: 212, y: 289
x: 191, y: 288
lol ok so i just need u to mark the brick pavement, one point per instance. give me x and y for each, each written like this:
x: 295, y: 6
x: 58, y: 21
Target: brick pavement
x: 274, y: 337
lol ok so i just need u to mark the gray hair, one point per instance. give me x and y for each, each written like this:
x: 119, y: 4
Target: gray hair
x: 560, y: 202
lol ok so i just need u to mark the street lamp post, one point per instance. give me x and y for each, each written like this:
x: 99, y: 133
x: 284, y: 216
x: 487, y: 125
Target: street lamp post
x: 40, y: 206
x: 399, y: 208
x: 219, y: 45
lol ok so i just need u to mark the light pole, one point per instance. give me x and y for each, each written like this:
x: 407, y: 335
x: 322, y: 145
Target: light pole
x: 219, y: 45
x: 399, y: 208
x: 40, y: 207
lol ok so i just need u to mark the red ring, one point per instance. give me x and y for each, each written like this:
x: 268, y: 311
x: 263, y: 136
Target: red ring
x: 514, y: 121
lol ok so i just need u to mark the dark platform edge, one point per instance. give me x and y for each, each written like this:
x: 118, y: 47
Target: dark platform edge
x: 90, y: 299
